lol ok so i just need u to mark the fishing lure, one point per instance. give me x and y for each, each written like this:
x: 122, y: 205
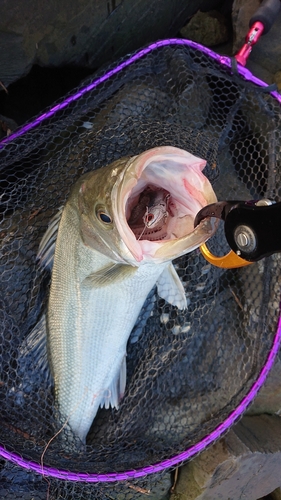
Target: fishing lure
x: 152, y: 209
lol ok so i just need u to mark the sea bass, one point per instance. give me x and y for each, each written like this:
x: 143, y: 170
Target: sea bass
x: 108, y: 246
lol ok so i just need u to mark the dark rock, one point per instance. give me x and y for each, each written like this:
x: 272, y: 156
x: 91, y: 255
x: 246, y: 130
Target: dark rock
x: 275, y: 495
x: 208, y: 28
x: 14, y: 61
x: 7, y: 126
x: 246, y: 464
x: 84, y: 33
x: 31, y: 94
x: 260, y: 71
x: 268, y: 399
x: 277, y: 80
x: 242, y: 12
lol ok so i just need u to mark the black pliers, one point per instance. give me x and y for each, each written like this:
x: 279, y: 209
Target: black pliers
x: 252, y: 228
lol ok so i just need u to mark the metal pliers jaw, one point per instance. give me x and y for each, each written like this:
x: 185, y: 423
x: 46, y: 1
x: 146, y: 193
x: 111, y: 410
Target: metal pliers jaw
x: 252, y: 230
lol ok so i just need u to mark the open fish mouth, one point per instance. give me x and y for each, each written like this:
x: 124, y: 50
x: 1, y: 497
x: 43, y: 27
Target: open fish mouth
x: 157, y: 200
x: 156, y: 214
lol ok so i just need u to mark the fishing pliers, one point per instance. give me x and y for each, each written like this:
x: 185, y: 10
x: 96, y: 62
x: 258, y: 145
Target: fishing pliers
x: 252, y: 230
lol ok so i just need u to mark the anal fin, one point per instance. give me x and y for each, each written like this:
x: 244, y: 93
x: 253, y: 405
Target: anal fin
x: 115, y: 391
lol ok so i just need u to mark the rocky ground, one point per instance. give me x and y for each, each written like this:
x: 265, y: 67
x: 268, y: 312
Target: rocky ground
x: 48, y: 52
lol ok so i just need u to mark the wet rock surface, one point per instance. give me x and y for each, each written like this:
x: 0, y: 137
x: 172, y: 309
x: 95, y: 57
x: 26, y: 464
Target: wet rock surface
x: 246, y: 464
x: 268, y: 399
x: 84, y: 33
x: 208, y: 28
x: 57, y: 48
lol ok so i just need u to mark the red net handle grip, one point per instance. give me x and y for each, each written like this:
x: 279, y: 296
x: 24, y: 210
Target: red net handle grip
x: 260, y: 23
x: 266, y: 14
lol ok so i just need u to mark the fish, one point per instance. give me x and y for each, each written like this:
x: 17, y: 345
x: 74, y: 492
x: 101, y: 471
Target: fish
x: 102, y: 270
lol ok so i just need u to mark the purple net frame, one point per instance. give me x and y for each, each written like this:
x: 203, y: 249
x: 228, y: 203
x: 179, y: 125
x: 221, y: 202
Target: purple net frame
x: 234, y: 415
x: 162, y: 43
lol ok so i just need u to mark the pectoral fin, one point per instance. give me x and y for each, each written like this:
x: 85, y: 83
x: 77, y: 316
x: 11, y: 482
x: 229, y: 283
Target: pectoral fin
x: 109, y: 275
x: 170, y: 288
x: 114, y: 393
x: 47, y: 245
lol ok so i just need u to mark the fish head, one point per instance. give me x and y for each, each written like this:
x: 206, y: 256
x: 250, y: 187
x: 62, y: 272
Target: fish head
x: 107, y: 197
x: 97, y: 219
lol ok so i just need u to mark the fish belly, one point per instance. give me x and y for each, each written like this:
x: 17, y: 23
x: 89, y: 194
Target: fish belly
x: 88, y: 331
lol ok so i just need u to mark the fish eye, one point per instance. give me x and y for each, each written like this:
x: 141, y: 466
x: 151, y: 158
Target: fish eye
x: 104, y: 217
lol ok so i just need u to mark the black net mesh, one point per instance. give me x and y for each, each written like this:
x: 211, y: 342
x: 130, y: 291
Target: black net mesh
x: 186, y: 370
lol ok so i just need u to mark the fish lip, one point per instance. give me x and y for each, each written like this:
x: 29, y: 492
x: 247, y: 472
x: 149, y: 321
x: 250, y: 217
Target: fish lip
x: 128, y: 179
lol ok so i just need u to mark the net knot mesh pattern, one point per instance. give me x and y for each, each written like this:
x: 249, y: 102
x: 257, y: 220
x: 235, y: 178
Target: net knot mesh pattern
x: 191, y: 373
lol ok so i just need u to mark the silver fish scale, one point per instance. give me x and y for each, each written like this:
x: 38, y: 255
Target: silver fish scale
x: 111, y: 310
x: 186, y: 371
